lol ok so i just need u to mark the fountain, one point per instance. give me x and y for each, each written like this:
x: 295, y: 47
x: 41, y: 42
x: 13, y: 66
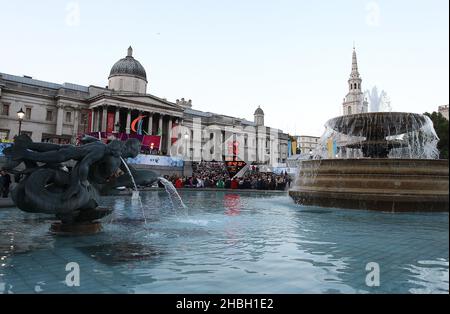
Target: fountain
x: 72, y: 196
x: 379, y: 161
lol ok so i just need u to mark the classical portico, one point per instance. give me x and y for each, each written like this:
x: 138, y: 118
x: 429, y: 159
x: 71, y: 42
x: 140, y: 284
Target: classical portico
x: 114, y: 109
x: 115, y: 113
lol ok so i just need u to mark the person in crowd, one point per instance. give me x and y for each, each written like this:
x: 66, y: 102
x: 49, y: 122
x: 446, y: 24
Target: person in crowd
x: 5, y: 182
x: 234, y: 184
x: 200, y: 183
x: 179, y: 183
x: 220, y: 184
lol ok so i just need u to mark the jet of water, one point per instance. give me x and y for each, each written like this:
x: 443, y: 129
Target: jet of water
x: 174, y: 197
x: 378, y: 101
x: 135, y: 195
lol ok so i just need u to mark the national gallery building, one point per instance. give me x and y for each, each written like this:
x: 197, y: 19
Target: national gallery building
x: 60, y: 113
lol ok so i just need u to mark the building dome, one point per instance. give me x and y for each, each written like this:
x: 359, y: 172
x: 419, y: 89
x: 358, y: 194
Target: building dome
x: 259, y: 111
x: 128, y: 66
x: 259, y: 116
x: 128, y: 75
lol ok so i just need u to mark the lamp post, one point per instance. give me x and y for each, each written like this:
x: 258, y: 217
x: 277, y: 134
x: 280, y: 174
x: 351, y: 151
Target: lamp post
x: 20, y: 114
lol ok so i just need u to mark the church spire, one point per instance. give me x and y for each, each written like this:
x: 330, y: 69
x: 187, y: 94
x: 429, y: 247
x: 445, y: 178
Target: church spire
x: 354, y: 102
x: 355, y: 72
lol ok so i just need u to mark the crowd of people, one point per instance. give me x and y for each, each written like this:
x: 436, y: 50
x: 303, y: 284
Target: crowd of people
x: 215, y: 175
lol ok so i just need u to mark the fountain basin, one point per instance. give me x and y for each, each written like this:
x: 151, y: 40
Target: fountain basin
x: 394, y: 185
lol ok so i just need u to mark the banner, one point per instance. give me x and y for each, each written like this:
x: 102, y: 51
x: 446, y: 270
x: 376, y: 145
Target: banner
x: 173, y: 135
x: 233, y: 167
x: 294, y: 148
x: 152, y: 141
x: 110, y: 122
x: 156, y: 160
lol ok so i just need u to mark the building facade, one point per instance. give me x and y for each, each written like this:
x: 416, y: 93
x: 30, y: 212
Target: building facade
x: 307, y: 143
x: 444, y: 111
x: 59, y: 113
x: 354, y: 102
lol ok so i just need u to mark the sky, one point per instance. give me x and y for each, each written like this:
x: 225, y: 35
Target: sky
x: 292, y: 58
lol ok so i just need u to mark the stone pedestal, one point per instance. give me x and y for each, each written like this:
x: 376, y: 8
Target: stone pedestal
x: 86, y: 223
x: 75, y: 229
x: 392, y: 185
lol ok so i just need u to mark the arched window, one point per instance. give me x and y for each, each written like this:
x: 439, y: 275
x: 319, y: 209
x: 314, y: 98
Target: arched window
x: 359, y: 85
x: 356, y: 86
x: 349, y: 110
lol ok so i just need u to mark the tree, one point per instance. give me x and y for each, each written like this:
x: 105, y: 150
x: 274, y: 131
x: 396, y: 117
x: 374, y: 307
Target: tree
x: 441, y: 128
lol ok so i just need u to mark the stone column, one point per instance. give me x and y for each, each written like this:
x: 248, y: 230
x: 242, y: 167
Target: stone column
x: 97, y: 119
x: 92, y: 120
x: 104, y: 118
x: 76, y: 121
x: 160, y: 131
x: 116, y: 119
x: 169, y: 135
x: 59, y: 119
x: 160, y: 124
x: 128, y: 127
x: 150, y: 123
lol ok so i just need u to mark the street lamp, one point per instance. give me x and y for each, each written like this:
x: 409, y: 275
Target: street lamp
x: 20, y: 114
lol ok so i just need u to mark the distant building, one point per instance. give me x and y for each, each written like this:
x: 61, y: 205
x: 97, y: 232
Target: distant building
x: 59, y: 113
x: 354, y: 101
x: 444, y: 111
x: 306, y: 143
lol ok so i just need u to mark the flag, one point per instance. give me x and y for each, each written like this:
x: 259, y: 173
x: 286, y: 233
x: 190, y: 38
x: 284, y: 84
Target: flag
x: 294, y: 147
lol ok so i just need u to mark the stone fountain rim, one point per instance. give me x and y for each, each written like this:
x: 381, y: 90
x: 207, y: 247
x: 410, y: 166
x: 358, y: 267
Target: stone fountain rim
x: 358, y: 117
x: 389, y: 160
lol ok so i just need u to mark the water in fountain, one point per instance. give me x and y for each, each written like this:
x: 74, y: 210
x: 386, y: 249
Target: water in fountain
x: 135, y: 195
x: 379, y: 135
x: 378, y: 101
x: 174, y: 197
